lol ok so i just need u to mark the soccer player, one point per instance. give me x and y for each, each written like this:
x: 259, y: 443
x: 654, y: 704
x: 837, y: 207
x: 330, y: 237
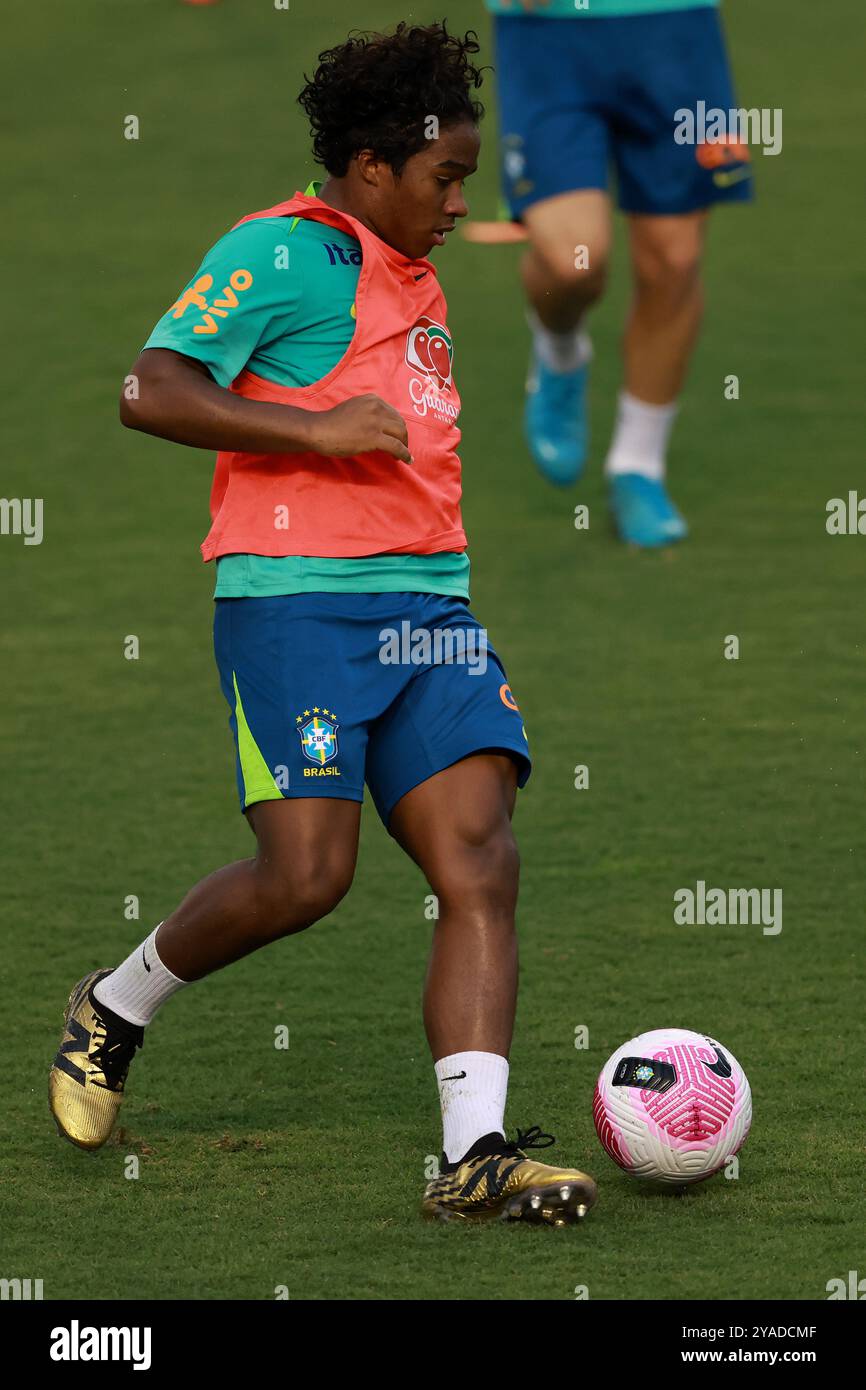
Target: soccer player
x: 584, y: 84
x: 311, y: 349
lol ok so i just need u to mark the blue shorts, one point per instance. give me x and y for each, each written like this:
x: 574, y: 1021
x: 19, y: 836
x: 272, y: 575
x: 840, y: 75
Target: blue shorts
x: 328, y: 691
x: 577, y: 95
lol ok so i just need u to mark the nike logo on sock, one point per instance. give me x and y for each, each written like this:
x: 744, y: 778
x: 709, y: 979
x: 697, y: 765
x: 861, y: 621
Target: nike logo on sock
x: 459, y: 1077
x: 144, y: 961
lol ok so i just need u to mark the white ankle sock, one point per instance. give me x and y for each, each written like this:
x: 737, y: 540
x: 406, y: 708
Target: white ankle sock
x: 560, y: 352
x: 138, y: 986
x: 472, y: 1088
x: 640, y: 438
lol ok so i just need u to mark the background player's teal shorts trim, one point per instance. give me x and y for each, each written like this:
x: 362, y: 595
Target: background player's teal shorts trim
x: 329, y: 691
x: 577, y: 96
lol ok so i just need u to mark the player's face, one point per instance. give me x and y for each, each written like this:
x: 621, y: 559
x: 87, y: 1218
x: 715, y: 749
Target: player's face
x: 421, y: 206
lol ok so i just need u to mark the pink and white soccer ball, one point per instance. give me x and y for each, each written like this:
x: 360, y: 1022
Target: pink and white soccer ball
x: 672, y: 1106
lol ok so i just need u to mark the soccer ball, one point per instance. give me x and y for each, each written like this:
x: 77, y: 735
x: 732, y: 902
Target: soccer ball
x: 672, y: 1106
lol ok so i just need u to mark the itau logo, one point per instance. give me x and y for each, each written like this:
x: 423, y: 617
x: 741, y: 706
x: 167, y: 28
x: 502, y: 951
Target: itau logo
x: 429, y: 349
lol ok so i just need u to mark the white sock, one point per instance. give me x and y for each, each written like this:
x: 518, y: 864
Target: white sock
x: 560, y: 352
x: 138, y: 987
x: 472, y: 1087
x: 640, y: 438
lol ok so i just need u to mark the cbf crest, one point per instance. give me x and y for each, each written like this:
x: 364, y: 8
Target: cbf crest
x: 318, y: 730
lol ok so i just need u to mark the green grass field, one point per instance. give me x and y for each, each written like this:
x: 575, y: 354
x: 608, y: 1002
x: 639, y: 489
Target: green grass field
x: 304, y: 1167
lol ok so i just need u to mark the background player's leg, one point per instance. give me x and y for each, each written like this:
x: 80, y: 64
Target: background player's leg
x: 667, y: 306
x: 560, y: 283
x: 660, y: 335
x: 457, y: 828
x: 304, y: 865
x: 564, y: 271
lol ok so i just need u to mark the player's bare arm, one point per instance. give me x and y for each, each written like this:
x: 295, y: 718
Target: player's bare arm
x: 179, y: 400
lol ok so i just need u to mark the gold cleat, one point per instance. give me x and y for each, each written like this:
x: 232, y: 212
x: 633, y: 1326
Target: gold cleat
x: 85, y: 1085
x: 503, y: 1182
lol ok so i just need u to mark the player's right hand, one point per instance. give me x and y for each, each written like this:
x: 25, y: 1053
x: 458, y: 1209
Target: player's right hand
x: 362, y: 426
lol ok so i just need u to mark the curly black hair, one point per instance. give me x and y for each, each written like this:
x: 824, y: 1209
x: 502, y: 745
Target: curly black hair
x: 377, y: 92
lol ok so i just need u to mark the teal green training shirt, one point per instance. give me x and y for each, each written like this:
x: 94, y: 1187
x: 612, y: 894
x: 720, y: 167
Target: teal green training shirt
x: 596, y: 9
x: 291, y: 325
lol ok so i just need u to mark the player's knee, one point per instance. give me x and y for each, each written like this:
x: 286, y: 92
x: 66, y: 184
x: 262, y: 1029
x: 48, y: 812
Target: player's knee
x: 580, y: 270
x: 316, y: 890
x: 290, y: 898
x: 669, y: 264
x: 480, y: 874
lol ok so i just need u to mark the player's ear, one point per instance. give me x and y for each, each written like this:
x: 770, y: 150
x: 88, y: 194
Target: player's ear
x: 370, y: 167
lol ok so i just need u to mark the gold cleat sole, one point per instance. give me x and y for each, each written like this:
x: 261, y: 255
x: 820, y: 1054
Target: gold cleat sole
x: 557, y: 1204
x: 84, y: 1111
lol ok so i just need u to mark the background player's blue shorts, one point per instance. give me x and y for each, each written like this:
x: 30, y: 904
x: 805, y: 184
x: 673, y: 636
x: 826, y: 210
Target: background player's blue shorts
x: 316, y: 711
x: 577, y: 95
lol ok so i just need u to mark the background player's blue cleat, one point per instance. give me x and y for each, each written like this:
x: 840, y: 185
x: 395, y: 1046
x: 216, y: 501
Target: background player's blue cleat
x: 555, y: 421
x: 643, y: 512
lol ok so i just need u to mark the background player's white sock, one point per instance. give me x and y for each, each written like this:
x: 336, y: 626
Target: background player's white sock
x: 640, y: 437
x: 138, y: 987
x: 472, y: 1088
x: 560, y: 352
